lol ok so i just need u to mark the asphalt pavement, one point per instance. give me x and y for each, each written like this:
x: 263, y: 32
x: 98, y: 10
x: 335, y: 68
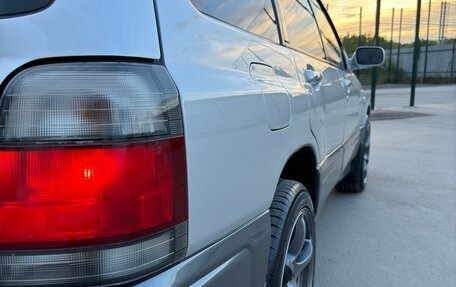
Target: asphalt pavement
x: 401, y: 231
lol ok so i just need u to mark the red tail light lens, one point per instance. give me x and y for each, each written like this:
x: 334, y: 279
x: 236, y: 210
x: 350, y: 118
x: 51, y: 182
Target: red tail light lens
x: 81, y: 196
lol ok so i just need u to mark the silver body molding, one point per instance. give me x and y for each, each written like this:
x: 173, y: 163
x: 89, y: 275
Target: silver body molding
x: 240, y: 259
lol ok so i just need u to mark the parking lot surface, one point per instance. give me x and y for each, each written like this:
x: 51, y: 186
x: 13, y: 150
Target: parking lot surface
x: 401, y: 231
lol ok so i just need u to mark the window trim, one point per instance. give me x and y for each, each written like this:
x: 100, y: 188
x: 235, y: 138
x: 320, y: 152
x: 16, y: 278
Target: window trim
x: 279, y: 34
x: 283, y: 33
x: 281, y: 22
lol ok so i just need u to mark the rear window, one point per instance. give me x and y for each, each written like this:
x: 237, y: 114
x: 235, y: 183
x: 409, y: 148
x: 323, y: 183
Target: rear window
x: 332, y: 48
x: 11, y: 8
x: 302, y: 28
x: 255, y: 16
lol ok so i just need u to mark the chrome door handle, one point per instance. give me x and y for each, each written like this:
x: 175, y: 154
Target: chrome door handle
x: 313, y: 77
x: 347, y: 85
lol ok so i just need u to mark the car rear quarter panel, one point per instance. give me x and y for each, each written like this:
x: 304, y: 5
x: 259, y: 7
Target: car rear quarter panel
x: 71, y: 28
x: 234, y: 159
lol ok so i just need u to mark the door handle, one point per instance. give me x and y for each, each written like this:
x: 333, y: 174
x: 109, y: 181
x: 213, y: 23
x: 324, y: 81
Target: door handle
x: 347, y: 84
x: 314, y: 78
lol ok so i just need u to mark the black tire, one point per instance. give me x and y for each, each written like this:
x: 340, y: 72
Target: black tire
x: 356, y: 179
x: 291, y: 206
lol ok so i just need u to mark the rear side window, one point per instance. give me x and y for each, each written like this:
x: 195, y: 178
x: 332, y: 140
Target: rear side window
x: 302, y: 29
x: 332, y: 48
x: 255, y: 16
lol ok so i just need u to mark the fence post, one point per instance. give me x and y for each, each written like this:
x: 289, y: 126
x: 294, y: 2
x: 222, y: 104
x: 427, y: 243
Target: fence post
x: 416, y: 53
x: 360, y: 31
x: 444, y: 20
x: 391, y: 48
x: 374, y: 70
x: 399, y: 46
x: 360, y: 25
x: 452, y: 61
x: 427, y: 43
x: 440, y: 23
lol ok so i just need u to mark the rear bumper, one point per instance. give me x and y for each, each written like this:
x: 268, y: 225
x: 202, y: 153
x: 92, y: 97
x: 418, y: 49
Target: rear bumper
x: 240, y: 259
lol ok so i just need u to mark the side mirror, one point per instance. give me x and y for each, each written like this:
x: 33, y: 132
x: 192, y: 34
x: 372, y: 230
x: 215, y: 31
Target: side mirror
x: 367, y: 57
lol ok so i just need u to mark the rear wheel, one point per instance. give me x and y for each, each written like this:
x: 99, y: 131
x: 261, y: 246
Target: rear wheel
x: 292, y: 252
x: 356, y: 180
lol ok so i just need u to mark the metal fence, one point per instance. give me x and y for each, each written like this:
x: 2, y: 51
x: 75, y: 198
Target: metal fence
x: 436, y: 62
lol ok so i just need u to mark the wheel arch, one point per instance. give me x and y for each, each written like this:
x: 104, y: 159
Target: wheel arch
x: 301, y: 166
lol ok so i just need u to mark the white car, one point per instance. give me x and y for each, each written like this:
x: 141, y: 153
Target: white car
x: 173, y: 142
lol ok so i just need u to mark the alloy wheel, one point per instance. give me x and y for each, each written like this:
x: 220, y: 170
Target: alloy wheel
x: 299, y: 260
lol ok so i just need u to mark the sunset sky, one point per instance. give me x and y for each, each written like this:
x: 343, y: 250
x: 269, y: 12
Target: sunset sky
x: 345, y: 15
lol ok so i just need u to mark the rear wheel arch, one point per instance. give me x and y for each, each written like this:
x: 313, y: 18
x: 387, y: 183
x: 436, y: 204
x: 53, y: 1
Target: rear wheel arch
x: 301, y: 166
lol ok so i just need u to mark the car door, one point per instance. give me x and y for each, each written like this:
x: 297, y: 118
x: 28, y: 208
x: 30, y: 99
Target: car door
x: 348, y: 82
x: 322, y: 80
x: 352, y: 130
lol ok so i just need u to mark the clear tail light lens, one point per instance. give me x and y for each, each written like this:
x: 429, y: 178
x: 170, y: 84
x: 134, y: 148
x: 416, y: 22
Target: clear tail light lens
x: 93, y: 185
x: 90, y: 101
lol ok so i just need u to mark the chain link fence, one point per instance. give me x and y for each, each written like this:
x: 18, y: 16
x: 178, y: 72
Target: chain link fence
x: 355, y: 22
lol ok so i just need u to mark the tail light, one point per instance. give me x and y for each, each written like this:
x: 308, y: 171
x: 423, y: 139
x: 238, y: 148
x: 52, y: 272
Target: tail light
x: 93, y: 185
